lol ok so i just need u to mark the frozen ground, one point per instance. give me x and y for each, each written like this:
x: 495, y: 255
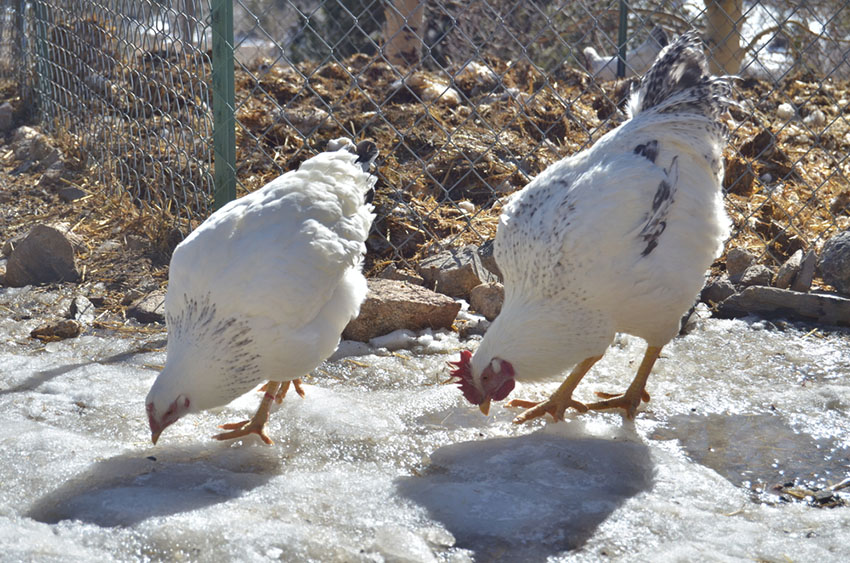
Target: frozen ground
x: 381, y: 463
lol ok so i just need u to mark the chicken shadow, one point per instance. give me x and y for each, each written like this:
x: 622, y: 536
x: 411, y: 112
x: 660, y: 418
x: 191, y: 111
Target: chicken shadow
x: 528, y: 497
x: 129, y: 488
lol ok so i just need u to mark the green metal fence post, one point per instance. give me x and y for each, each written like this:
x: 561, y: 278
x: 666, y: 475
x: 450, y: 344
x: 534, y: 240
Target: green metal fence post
x: 41, y: 19
x: 23, y: 49
x: 622, y: 37
x: 224, y: 122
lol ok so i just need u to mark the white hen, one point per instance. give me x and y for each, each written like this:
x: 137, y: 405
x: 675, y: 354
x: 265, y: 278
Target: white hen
x: 616, y: 238
x: 264, y: 287
x: 638, y: 60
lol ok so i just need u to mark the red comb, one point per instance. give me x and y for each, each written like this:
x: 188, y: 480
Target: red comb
x: 464, y: 375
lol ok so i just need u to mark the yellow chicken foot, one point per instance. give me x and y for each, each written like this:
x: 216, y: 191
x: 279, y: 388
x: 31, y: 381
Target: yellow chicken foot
x: 630, y: 400
x: 257, y: 424
x: 603, y: 395
x: 560, y: 401
x: 281, y: 393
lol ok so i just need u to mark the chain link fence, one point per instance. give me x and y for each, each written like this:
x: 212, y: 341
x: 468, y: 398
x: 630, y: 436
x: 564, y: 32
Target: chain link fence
x: 467, y: 101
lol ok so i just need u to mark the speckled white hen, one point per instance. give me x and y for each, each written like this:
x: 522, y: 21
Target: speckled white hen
x: 264, y: 287
x: 616, y: 238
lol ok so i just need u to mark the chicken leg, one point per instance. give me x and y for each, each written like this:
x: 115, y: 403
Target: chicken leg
x: 284, y: 387
x: 630, y: 400
x: 257, y: 424
x: 560, y: 400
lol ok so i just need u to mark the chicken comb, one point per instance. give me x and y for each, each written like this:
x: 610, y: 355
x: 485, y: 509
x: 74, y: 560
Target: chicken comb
x: 464, y: 375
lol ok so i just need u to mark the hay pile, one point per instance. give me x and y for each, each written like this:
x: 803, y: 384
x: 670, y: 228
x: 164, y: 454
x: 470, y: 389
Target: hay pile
x: 450, y: 154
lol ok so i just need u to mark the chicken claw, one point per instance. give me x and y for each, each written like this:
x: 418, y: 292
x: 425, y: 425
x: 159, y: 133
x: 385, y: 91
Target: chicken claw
x: 630, y: 400
x: 257, y: 424
x: 244, y: 428
x: 281, y: 393
x: 551, y: 406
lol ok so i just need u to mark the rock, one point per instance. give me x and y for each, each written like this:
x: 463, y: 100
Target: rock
x: 55, y: 164
x: 71, y: 193
x: 487, y: 299
x: 10, y: 245
x: 756, y: 274
x: 82, y: 310
x: 28, y: 144
x: 834, y: 262
x: 392, y: 305
x: 45, y: 255
x: 59, y: 330
x: 149, y: 308
x: 815, y: 120
x: 716, y: 290
x: 784, y: 303
x: 788, y: 271
x: 6, y: 117
x: 785, y: 112
x: 737, y: 262
x: 392, y: 272
x: 97, y: 294
x: 803, y: 281
x: 485, y: 252
x: 455, y: 271
x: 473, y: 328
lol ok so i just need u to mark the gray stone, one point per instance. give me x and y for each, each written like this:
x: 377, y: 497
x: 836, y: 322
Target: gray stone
x: 737, y: 262
x: 485, y: 252
x: 756, y: 274
x: 487, y: 298
x: 71, y: 193
x: 783, y: 303
x: 29, y: 144
x: 472, y: 328
x: 82, y: 310
x: 6, y: 117
x: 97, y: 294
x: 149, y: 308
x: 455, y: 272
x: 716, y: 290
x: 392, y: 272
x: 391, y: 305
x: 788, y: 271
x: 45, y: 255
x: 803, y: 281
x: 834, y: 262
x: 10, y: 245
x: 52, y: 177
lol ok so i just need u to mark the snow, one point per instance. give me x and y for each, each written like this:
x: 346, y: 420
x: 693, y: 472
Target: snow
x: 382, y: 463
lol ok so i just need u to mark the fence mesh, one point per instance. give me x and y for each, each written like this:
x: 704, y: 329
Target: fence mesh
x: 466, y: 100
x: 127, y: 81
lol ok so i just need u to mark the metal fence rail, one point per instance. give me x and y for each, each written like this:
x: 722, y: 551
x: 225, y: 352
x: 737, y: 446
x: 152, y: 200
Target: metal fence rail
x: 466, y: 100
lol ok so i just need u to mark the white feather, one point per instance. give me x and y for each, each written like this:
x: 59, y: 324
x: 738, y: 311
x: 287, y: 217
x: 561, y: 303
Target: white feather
x: 596, y: 244
x: 264, y: 287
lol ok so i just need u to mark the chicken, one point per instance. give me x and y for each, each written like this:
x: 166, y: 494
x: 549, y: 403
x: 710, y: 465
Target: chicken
x: 263, y: 289
x: 637, y: 60
x: 616, y: 238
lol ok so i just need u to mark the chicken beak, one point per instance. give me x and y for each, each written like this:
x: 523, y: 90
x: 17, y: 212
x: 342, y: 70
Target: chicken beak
x: 485, y: 407
x: 155, y: 436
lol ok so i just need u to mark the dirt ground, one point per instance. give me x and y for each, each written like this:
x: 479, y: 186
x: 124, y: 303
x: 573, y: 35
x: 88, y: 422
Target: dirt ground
x: 786, y: 178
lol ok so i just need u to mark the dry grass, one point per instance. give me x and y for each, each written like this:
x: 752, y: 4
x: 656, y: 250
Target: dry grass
x: 785, y: 183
